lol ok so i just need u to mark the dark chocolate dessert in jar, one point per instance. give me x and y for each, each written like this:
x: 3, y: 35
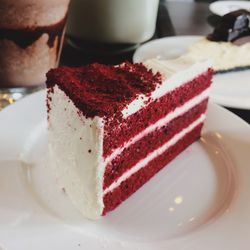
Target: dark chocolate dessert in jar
x: 31, y: 34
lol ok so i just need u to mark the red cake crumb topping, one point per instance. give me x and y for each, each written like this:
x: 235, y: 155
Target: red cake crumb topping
x: 102, y: 90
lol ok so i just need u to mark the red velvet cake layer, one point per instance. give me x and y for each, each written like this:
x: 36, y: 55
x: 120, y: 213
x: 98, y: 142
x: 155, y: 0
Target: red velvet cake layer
x: 128, y: 187
x: 103, y: 90
x: 140, y: 149
x: 117, y: 133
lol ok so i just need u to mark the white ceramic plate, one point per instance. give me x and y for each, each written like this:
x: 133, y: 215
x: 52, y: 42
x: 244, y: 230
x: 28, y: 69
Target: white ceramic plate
x: 221, y: 8
x: 230, y: 89
x: 200, y: 201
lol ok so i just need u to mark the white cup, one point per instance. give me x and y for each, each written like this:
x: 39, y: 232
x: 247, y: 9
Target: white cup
x: 112, y: 21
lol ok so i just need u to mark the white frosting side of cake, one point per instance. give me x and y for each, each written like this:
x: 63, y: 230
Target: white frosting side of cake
x: 142, y: 163
x: 225, y: 55
x: 163, y: 121
x: 78, y: 171
x: 174, y: 72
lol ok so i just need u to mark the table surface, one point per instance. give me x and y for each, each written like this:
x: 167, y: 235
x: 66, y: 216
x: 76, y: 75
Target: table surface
x: 174, y: 18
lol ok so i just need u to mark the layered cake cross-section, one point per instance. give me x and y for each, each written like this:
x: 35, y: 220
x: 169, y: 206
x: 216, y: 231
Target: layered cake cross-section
x: 112, y: 128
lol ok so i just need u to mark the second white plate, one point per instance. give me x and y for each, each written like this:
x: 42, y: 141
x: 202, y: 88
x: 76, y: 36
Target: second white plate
x: 229, y: 89
x: 221, y: 8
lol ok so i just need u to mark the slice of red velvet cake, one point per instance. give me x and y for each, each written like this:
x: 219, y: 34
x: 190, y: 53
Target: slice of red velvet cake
x: 111, y: 128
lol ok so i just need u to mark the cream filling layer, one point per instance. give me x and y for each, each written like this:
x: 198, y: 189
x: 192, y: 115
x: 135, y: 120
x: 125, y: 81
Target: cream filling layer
x: 175, y: 73
x: 163, y: 121
x: 154, y: 154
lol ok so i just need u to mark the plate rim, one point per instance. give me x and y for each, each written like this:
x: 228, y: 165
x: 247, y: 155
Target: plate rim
x: 135, y: 58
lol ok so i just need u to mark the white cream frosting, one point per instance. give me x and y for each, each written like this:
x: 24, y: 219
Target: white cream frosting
x: 154, y: 154
x: 78, y: 171
x: 163, y: 121
x: 225, y: 55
